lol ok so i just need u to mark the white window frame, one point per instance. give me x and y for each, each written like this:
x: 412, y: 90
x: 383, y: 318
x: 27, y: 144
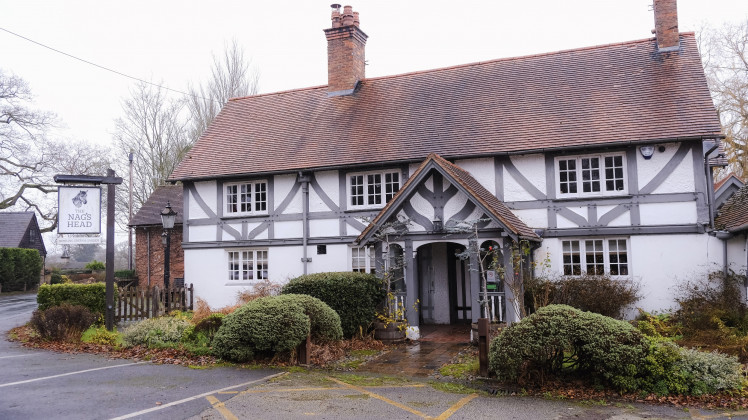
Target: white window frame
x: 246, y: 265
x: 603, y: 173
x: 383, y: 195
x: 365, y: 263
x: 253, y: 202
x: 611, y: 251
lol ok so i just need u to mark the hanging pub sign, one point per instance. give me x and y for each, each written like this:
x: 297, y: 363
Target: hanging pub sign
x: 79, y: 209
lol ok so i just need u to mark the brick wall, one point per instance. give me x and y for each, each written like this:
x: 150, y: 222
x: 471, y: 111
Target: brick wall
x: 151, y: 259
x: 345, y: 51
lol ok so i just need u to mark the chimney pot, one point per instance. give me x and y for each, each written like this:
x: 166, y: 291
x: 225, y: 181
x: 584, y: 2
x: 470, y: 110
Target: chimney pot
x: 356, y: 20
x: 345, y: 52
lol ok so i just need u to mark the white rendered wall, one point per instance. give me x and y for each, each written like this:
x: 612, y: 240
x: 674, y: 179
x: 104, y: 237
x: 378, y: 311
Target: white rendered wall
x: 533, y: 218
x: 202, y: 233
x: 532, y: 167
x: 681, y: 180
x: 668, y: 213
x: 482, y: 170
x: 207, y: 192
x: 324, y: 228
x: 658, y: 262
x: 329, y: 183
x: 283, y: 186
x: 736, y: 254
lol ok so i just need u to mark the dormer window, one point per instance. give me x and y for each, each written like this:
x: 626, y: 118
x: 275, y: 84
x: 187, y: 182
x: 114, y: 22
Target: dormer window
x: 372, y: 189
x: 591, y: 175
x: 245, y: 198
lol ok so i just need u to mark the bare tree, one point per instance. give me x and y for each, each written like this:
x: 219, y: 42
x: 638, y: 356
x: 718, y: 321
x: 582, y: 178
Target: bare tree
x: 231, y: 76
x: 29, y: 160
x: 725, y: 56
x: 154, y: 129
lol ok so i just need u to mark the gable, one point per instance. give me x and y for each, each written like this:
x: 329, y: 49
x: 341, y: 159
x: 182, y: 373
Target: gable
x: 441, y: 192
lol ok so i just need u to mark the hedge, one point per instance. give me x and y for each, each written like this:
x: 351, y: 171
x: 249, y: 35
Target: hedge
x: 92, y: 296
x: 274, y: 324
x: 354, y: 296
x: 19, y: 269
x: 559, y: 338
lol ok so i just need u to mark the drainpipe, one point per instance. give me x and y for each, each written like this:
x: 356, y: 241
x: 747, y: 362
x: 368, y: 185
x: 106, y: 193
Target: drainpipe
x: 709, y: 185
x: 148, y: 246
x: 304, y: 218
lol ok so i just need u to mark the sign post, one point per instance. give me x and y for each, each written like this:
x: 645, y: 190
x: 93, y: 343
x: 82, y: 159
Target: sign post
x: 76, y: 216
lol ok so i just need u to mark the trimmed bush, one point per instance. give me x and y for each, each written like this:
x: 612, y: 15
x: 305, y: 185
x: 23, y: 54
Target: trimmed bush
x: 354, y: 296
x: 708, y: 373
x: 558, y: 339
x: 96, y: 265
x: 275, y: 324
x: 92, y: 296
x: 20, y: 269
x: 64, y: 322
x: 155, y: 332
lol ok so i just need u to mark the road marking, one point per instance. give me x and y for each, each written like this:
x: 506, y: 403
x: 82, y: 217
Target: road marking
x: 18, y: 355
x: 69, y: 373
x: 458, y: 405
x: 381, y: 398
x: 188, y: 399
x: 221, y: 407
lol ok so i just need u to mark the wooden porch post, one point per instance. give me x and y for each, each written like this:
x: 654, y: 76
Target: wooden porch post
x: 474, y: 283
x: 411, y: 283
x: 511, y: 313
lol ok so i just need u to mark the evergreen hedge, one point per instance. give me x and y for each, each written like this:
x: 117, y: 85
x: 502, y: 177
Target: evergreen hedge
x: 354, y: 296
x: 274, y: 324
x: 92, y: 296
x: 19, y: 269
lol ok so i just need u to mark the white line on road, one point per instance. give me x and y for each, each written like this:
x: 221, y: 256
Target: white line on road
x: 188, y: 399
x: 18, y: 355
x: 69, y: 373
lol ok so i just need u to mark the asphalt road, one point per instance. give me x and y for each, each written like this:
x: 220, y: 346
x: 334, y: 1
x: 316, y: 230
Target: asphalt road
x: 38, y: 384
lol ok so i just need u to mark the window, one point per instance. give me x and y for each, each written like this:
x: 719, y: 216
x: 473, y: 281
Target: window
x: 246, y: 198
x: 362, y: 260
x: 248, y: 265
x: 595, y: 257
x: 373, y: 189
x: 591, y: 175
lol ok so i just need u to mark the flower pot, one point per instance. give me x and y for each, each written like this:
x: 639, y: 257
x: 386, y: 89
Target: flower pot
x: 391, y: 332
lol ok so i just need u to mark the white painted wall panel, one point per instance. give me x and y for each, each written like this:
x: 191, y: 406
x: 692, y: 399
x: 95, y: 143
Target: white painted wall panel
x: 563, y: 222
x: 454, y: 205
x: 648, y: 168
x: 329, y: 182
x: 482, y: 170
x: 290, y: 229
x: 513, y: 191
x: 680, y: 180
x: 531, y: 167
x: 324, y: 228
x: 207, y: 191
x: 226, y: 236
x: 736, y: 254
x: 533, y: 218
x: 283, y: 185
x: 622, y: 220
x: 422, y: 206
x: 668, y: 213
x: 202, y: 233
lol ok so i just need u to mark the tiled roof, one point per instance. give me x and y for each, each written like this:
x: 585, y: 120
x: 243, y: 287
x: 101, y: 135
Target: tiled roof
x: 474, y: 189
x: 612, y: 94
x: 733, y: 216
x: 13, y: 227
x: 723, y: 181
x: 150, y: 213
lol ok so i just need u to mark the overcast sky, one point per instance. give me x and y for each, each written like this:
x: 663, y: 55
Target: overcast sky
x: 171, y: 42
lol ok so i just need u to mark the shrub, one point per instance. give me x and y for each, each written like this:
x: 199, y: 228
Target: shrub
x: 559, y: 338
x: 125, y: 274
x: 101, y: 336
x: 20, y: 269
x: 95, y: 265
x: 206, y: 327
x: 266, y: 325
x: 263, y: 288
x: 92, y: 296
x: 717, y: 295
x: 155, y: 332
x: 599, y: 294
x: 354, y: 296
x: 64, y: 322
x: 708, y: 373
x: 273, y: 325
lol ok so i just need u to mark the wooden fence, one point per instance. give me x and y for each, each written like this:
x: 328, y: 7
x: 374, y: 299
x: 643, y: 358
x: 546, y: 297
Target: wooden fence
x: 137, y: 303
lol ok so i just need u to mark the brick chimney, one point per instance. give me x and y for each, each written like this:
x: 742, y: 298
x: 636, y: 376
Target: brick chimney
x: 666, y: 25
x: 345, y: 52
